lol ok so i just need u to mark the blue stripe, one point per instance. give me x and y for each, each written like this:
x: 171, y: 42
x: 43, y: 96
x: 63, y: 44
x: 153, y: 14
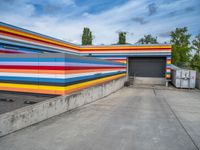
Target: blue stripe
x: 93, y: 76
x: 40, y: 49
x: 101, y: 62
x: 35, y: 33
x: 56, y: 80
x: 94, y: 61
x: 168, y: 65
x: 33, y: 59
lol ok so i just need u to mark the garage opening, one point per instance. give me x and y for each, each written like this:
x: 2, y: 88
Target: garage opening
x: 147, y: 70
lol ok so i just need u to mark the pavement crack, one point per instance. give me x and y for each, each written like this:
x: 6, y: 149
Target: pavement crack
x: 154, y: 91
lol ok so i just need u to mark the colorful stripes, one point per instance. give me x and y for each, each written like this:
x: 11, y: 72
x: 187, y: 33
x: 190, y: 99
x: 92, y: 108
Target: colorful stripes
x: 54, y: 73
x: 24, y: 39
x: 41, y: 64
x: 168, y: 67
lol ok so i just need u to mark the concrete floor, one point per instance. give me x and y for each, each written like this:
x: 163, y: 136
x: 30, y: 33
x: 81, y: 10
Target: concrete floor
x: 130, y: 119
x: 13, y: 100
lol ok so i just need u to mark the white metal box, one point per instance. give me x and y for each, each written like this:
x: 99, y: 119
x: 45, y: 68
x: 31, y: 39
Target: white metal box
x: 182, y: 78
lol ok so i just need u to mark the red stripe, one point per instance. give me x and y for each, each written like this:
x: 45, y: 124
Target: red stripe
x: 130, y: 49
x: 168, y: 68
x: 85, y: 67
x: 34, y: 39
x: 5, y: 51
x: 55, y: 67
x: 115, y: 59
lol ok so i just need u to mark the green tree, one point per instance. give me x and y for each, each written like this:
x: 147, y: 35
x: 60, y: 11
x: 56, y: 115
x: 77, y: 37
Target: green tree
x: 195, y: 62
x: 180, y: 46
x: 122, y: 38
x: 148, y: 39
x: 196, y: 44
x: 87, y: 37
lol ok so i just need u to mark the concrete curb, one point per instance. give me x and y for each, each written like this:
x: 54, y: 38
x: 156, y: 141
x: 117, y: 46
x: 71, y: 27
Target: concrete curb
x: 26, y: 116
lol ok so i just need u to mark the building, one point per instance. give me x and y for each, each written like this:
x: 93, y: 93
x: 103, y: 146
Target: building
x: 33, y: 55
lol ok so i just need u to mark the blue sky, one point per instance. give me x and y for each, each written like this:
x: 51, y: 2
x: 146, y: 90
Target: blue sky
x: 65, y: 19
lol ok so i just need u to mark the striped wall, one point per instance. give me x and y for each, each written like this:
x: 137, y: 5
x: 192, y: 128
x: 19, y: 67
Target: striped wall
x: 55, y: 73
x: 14, y: 39
x: 53, y: 66
x: 168, y: 67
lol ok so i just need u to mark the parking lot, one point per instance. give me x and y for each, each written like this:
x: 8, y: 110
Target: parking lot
x: 133, y: 118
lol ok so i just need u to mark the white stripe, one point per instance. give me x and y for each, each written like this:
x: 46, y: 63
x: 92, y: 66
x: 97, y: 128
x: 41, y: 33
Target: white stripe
x: 36, y: 44
x: 124, y: 52
x: 57, y: 64
x: 61, y: 76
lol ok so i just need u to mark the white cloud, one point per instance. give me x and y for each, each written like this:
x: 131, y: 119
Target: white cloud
x: 105, y: 25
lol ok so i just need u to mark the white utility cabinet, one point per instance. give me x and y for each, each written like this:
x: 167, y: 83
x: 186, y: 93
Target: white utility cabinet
x: 183, y: 78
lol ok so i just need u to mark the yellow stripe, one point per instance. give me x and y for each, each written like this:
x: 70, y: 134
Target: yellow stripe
x: 29, y: 86
x: 6, y: 29
x: 34, y: 36
x: 124, y: 47
x: 57, y: 88
x: 168, y: 61
x: 93, y: 81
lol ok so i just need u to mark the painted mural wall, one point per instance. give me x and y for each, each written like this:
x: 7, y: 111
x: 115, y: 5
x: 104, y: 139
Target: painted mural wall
x: 55, y: 73
x: 40, y: 70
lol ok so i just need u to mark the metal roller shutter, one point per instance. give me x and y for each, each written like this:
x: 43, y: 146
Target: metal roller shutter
x: 147, y: 66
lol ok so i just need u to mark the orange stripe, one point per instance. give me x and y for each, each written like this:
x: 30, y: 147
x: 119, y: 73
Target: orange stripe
x: 33, y: 40
x: 37, y: 37
x: 123, y: 51
x: 59, y: 92
x: 53, y: 71
x: 88, y: 71
x: 91, y: 84
x: 33, y: 71
x: 125, y: 47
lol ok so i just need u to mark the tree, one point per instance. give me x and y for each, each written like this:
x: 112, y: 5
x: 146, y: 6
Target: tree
x: 180, y: 46
x: 196, y: 44
x: 148, y: 39
x: 87, y: 37
x: 122, y: 38
x: 195, y: 62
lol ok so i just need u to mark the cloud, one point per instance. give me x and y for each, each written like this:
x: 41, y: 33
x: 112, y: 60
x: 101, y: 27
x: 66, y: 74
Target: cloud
x: 189, y: 9
x: 65, y: 19
x: 165, y: 34
x: 140, y: 20
x: 152, y: 9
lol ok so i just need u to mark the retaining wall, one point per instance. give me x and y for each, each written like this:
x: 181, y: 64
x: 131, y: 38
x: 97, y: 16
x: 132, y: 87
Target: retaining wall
x: 26, y: 116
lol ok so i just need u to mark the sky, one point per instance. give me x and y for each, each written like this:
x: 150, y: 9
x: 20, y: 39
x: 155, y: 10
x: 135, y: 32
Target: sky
x: 65, y: 19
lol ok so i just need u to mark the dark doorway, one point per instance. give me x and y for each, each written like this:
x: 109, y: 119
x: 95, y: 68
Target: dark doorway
x: 147, y: 66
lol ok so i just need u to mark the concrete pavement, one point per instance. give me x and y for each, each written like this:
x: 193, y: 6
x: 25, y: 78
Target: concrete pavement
x: 18, y: 99
x: 130, y: 119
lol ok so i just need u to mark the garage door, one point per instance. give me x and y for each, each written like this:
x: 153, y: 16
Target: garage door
x: 147, y: 66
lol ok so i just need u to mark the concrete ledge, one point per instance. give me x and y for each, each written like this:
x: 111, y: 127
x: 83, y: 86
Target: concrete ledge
x: 148, y: 80
x: 26, y: 116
